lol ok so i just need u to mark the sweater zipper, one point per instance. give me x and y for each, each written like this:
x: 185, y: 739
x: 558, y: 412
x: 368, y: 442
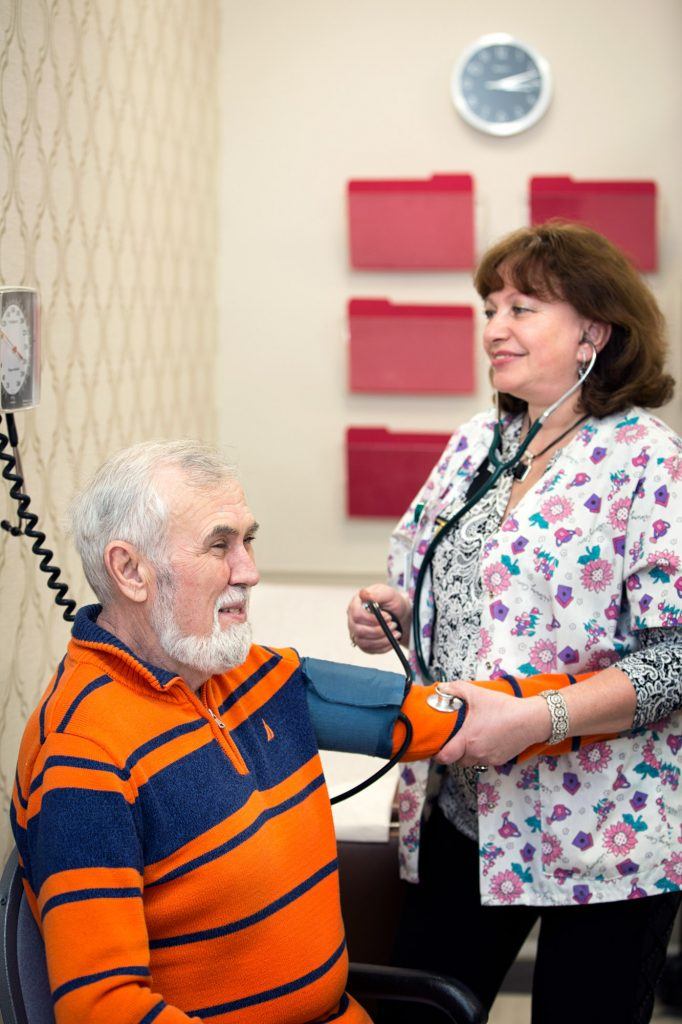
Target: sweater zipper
x: 219, y: 722
x: 223, y: 733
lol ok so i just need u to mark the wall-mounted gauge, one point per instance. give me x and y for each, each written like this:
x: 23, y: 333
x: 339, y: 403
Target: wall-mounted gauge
x: 19, y: 348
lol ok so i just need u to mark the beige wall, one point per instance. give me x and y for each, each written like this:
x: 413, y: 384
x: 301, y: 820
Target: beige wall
x: 315, y: 92
x: 108, y: 200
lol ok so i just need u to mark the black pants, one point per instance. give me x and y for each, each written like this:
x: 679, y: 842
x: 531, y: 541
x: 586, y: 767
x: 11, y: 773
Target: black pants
x: 594, y: 963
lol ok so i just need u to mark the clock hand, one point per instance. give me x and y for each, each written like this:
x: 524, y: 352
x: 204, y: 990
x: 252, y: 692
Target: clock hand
x: 520, y: 77
x: 523, y: 82
x: 512, y: 88
x: 13, y: 346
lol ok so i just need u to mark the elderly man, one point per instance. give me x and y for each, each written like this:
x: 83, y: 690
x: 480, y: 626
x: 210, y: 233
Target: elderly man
x: 170, y: 810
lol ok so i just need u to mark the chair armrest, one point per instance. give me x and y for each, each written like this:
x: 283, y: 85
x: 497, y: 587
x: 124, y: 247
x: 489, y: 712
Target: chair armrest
x: 401, y: 984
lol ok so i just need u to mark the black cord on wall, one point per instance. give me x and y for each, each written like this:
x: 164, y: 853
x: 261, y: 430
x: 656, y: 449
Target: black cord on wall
x: 29, y: 520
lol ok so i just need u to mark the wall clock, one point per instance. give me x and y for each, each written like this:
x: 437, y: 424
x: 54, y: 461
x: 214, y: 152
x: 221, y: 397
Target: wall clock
x: 500, y: 85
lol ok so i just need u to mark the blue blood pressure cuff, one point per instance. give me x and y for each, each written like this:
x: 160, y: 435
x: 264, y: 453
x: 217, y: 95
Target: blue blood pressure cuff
x: 353, y: 708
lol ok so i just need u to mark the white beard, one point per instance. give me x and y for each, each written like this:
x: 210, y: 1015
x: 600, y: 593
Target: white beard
x: 220, y: 651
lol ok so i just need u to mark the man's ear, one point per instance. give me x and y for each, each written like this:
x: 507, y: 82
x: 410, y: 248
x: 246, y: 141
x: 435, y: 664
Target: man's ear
x: 129, y: 571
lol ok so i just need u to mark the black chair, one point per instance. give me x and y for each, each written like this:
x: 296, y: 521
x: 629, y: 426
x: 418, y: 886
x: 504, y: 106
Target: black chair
x: 25, y: 996
x: 374, y: 983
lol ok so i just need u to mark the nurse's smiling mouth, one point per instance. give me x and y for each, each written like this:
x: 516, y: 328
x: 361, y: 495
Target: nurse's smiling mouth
x: 504, y: 356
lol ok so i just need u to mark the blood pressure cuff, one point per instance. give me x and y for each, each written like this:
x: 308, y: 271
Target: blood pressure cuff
x: 356, y: 709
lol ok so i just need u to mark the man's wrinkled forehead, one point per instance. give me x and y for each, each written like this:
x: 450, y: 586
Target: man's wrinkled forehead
x: 202, y: 506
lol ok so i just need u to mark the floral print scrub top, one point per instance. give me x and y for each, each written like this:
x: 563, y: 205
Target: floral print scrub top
x: 583, y: 564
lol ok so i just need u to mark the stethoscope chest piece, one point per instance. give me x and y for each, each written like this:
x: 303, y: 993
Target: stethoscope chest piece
x: 440, y: 700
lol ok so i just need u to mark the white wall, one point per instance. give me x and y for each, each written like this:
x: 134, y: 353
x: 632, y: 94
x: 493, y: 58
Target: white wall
x: 315, y: 92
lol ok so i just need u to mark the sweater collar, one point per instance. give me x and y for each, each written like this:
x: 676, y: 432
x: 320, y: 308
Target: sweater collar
x: 87, y: 631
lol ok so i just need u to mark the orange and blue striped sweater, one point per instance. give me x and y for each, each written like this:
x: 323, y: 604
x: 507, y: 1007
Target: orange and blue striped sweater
x: 178, y: 848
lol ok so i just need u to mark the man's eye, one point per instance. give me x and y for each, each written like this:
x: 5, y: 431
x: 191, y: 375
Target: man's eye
x: 219, y: 545
x: 250, y: 540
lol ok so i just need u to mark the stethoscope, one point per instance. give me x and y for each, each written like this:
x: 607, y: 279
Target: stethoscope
x: 373, y: 607
x: 492, y: 469
x: 440, y: 700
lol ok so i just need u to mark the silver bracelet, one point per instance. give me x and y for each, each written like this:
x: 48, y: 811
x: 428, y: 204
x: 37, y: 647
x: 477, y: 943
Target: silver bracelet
x: 558, y: 714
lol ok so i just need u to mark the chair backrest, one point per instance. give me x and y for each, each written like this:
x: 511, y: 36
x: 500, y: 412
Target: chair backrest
x: 25, y: 996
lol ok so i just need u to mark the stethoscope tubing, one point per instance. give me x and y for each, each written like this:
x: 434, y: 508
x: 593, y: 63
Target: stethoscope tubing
x: 500, y: 467
x: 373, y: 607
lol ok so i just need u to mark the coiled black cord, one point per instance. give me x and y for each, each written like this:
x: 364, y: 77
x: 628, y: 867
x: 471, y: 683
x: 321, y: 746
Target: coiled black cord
x: 11, y: 473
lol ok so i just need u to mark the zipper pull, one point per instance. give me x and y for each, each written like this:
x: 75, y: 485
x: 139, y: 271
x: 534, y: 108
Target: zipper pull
x: 219, y: 723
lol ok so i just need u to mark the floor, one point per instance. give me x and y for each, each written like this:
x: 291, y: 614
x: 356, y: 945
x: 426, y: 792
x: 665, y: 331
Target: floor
x: 515, y: 1009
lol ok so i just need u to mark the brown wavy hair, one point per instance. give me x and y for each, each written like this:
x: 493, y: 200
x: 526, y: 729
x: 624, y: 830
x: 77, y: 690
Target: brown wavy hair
x: 565, y: 261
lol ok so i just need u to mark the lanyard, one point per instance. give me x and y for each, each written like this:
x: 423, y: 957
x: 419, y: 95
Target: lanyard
x: 486, y: 480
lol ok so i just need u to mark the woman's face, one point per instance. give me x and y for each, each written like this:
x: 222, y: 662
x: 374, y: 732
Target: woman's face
x: 533, y: 345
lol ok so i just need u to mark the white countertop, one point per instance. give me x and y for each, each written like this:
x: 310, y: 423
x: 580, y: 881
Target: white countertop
x: 312, y: 618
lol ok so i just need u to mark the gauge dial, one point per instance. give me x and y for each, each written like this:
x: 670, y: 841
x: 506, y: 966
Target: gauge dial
x: 19, y: 349
x: 14, y: 335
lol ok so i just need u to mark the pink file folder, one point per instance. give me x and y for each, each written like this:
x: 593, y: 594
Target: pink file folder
x: 412, y: 349
x: 412, y: 225
x: 624, y: 211
x: 385, y: 470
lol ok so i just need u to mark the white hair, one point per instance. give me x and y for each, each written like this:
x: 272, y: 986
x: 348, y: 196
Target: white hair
x: 122, y: 502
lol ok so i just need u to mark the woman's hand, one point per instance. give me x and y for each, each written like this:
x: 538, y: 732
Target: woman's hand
x: 497, y: 726
x: 363, y: 628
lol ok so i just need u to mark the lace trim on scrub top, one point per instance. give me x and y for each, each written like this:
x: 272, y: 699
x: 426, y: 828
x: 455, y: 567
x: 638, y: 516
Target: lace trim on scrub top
x: 458, y: 593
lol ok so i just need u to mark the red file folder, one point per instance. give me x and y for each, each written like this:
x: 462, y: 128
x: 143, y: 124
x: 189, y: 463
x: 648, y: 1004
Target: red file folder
x: 412, y: 225
x: 385, y: 470
x: 624, y: 211
x: 411, y: 349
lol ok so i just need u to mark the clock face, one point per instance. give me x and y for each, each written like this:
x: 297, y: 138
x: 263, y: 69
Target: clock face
x: 19, y: 363
x: 501, y: 86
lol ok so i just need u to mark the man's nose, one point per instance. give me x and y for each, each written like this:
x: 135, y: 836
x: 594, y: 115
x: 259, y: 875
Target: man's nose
x: 243, y: 568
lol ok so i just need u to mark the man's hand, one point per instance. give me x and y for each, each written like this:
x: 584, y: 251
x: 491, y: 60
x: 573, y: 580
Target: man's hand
x: 363, y: 628
x: 497, y: 726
